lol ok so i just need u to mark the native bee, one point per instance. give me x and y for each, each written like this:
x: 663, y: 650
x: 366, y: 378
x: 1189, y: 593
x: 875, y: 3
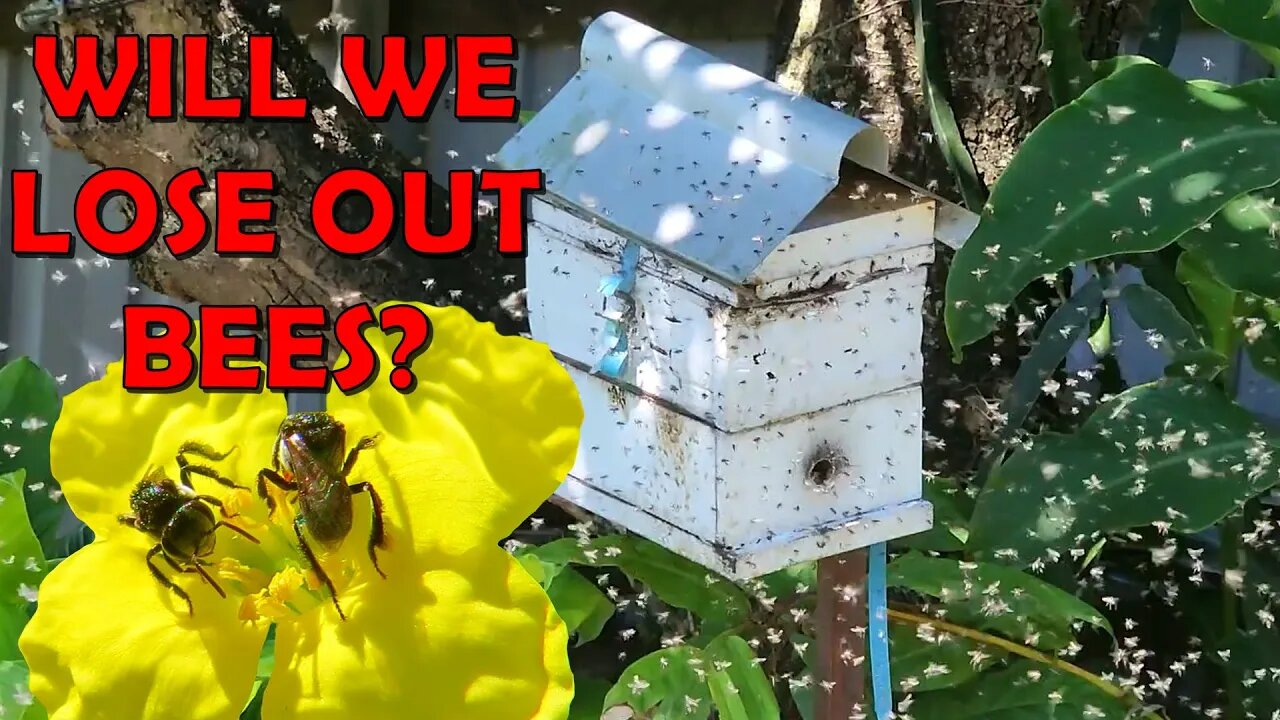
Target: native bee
x: 180, y: 519
x: 310, y: 459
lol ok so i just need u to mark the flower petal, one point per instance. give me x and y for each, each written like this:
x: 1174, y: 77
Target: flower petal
x: 106, y: 644
x: 106, y: 438
x: 490, y: 431
x: 463, y: 637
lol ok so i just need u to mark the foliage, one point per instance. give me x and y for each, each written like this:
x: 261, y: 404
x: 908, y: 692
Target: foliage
x: 36, y: 527
x: 1174, y: 178
x: 1053, y: 568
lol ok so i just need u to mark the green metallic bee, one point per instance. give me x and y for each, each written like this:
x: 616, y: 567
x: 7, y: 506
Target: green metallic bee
x: 180, y: 519
x: 311, y: 459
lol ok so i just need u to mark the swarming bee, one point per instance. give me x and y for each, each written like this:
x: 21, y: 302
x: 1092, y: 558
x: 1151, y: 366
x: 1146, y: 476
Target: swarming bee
x: 311, y: 459
x: 180, y: 520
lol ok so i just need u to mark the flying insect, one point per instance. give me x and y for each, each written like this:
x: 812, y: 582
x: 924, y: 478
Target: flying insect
x: 182, y: 522
x: 311, y: 459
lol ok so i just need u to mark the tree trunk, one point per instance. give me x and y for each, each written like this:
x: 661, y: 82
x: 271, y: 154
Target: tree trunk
x: 301, y: 155
x: 862, y: 56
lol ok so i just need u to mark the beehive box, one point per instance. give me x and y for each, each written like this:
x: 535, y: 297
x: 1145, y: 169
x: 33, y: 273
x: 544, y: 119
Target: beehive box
x: 735, y: 285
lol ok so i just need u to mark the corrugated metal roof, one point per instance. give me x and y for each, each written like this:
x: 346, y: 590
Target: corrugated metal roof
x: 689, y: 154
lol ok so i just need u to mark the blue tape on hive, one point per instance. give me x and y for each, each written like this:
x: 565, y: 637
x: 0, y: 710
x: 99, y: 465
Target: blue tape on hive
x: 614, y: 338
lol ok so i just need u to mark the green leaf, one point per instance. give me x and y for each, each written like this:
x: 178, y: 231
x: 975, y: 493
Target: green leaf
x: 924, y: 659
x: 267, y: 655
x: 1260, y: 319
x: 1250, y: 20
x: 1240, y: 245
x: 588, y: 698
x: 29, y: 407
x: 1203, y: 365
x: 1253, y: 656
x: 1103, y: 69
x: 1024, y: 691
x: 526, y: 116
x: 15, y: 698
x: 1167, y: 452
x: 791, y: 581
x: 679, y: 582
x: 802, y: 689
x: 253, y: 709
x: 1069, y: 73
x: 951, y: 510
x: 932, y: 61
x: 24, y: 567
x: 739, y: 686
x: 1100, y: 342
x: 1067, y: 325
x: 997, y: 598
x: 1128, y: 167
x: 36, y: 711
x: 1216, y: 302
x: 582, y: 606
x: 1166, y: 328
x: 1164, y: 27
x: 667, y: 680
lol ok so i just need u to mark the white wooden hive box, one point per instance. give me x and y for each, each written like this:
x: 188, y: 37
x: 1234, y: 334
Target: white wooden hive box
x: 768, y: 409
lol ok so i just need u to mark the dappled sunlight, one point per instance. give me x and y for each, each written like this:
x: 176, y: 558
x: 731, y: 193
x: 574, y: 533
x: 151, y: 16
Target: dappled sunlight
x: 1197, y: 186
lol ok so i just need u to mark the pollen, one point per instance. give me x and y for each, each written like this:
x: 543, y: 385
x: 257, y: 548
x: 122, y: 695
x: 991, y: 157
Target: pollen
x: 233, y: 570
x: 237, y: 501
x: 273, y: 602
x: 285, y: 584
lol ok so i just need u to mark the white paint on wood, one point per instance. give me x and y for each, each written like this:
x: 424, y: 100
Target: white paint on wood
x: 732, y: 361
x: 753, y: 500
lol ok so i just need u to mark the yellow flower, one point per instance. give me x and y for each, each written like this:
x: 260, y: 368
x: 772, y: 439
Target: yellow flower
x: 457, y: 631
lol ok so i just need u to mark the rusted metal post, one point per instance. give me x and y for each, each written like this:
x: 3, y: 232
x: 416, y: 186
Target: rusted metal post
x: 841, y: 631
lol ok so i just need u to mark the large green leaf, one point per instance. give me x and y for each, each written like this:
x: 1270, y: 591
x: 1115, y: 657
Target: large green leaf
x: 739, y: 686
x: 931, y: 58
x: 1172, y: 453
x: 588, y: 698
x: 997, y: 598
x: 1064, y: 328
x: 925, y: 659
x: 29, y: 407
x: 1167, y: 330
x: 1260, y: 320
x: 675, y: 580
x: 15, y: 698
x: 670, y: 684
x: 582, y: 606
x: 1241, y: 244
x: 1024, y: 691
x: 23, y: 565
x: 951, y: 510
x: 1215, y: 302
x: 1249, y: 20
x: 1128, y: 167
x: 1069, y: 73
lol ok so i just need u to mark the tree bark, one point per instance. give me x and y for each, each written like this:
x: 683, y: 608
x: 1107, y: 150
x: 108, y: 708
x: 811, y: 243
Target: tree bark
x: 337, y: 136
x: 861, y: 55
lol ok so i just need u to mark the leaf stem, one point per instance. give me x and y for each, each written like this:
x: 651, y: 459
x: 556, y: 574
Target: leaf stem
x: 1230, y: 544
x: 1017, y: 649
x: 1010, y: 646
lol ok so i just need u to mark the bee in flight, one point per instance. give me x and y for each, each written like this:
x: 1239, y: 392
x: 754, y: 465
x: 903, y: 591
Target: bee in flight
x: 310, y: 459
x: 180, y: 519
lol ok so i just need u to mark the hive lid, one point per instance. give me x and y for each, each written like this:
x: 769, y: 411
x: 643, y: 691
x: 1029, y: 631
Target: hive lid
x: 685, y: 153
